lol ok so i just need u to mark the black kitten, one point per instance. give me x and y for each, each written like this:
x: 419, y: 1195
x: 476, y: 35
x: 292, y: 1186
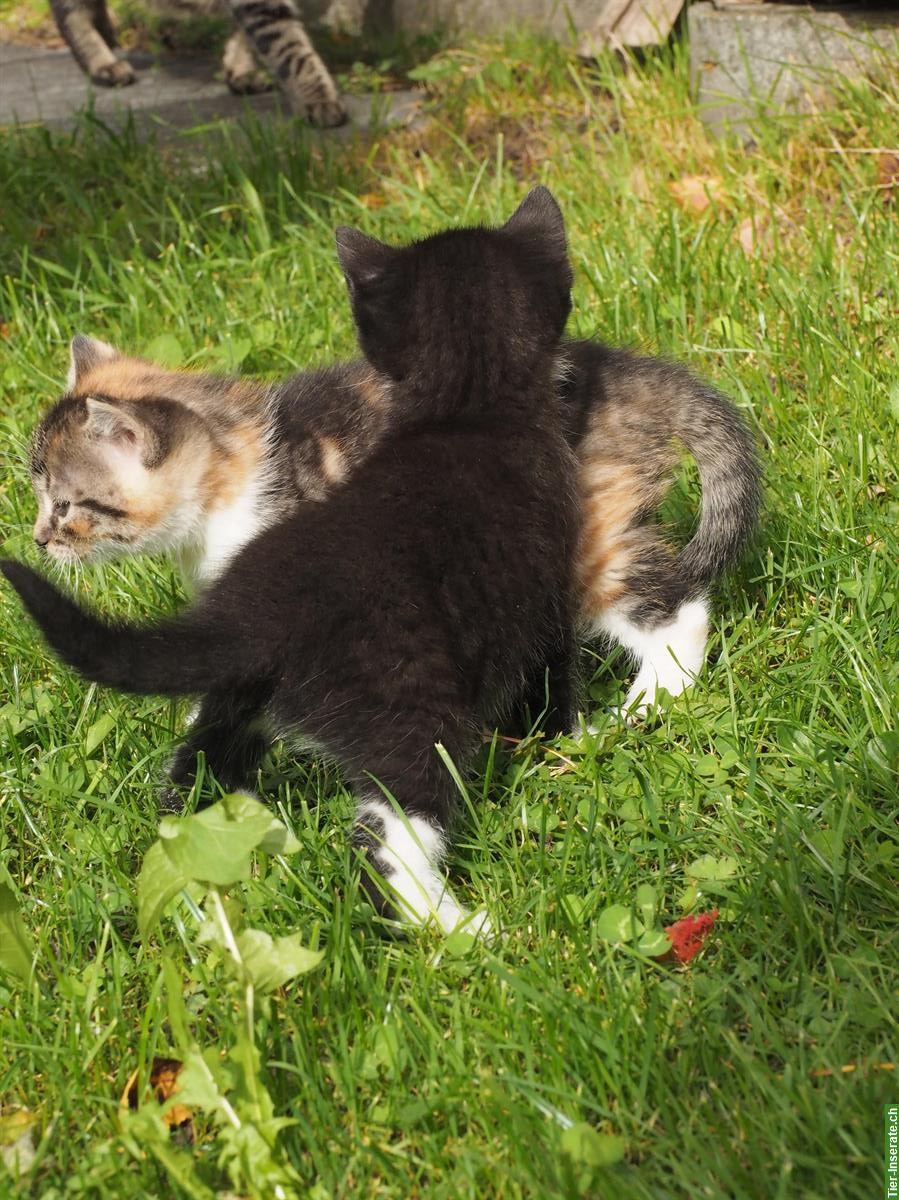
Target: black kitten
x: 431, y: 593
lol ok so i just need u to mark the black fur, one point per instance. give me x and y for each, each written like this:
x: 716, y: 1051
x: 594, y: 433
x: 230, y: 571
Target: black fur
x: 432, y: 591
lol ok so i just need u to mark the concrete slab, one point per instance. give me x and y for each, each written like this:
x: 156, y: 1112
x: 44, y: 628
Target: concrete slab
x: 745, y: 58
x: 47, y: 87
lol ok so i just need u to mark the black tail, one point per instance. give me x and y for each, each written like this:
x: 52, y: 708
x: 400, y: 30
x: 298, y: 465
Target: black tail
x: 176, y: 657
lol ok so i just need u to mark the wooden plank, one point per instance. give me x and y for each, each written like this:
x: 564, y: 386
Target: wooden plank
x: 631, y: 23
x: 647, y: 22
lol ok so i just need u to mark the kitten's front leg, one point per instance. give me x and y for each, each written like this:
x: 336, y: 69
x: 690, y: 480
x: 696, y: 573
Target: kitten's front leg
x: 278, y: 37
x: 87, y: 29
x: 227, y: 732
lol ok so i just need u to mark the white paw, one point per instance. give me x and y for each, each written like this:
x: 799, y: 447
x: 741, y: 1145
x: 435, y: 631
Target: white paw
x: 671, y: 656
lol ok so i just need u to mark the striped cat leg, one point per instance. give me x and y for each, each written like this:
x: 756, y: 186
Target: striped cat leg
x: 88, y: 31
x: 243, y: 75
x: 277, y: 33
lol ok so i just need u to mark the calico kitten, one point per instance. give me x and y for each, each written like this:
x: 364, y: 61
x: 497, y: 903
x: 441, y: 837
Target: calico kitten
x: 270, y: 33
x: 433, y: 588
x: 117, y: 471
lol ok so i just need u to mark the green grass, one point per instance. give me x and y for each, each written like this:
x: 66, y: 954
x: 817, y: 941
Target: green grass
x: 413, y: 1067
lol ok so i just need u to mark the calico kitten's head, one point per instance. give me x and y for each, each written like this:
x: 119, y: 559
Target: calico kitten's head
x: 123, y: 462
x: 461, y: 308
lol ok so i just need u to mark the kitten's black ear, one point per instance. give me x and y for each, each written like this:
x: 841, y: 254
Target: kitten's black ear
x: 85, y: 353
x: 362, y: 258
x: 110, y: 424
x: 539, y: 217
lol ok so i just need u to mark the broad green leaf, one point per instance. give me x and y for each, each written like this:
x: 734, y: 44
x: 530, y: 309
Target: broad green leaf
x: 98, y: 732
x: 708, y: 867
x: 574, y: 906
x: 158, y: 883
x: 647, y: 903
x: 214, y: 846
x: 278, y: 839
x: 706, y: 765
x: 617, y: 923
x: 584, y: 1144
x: 198, y: 1085
x: 165, y: 350
x: 654, y: 943
x: 883, y: 753
x: 271, y: 962
x: 16, y: 950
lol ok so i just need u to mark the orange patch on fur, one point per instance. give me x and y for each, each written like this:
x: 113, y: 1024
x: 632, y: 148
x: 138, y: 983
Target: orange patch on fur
x: 612, y: 500
x: 334, y: 466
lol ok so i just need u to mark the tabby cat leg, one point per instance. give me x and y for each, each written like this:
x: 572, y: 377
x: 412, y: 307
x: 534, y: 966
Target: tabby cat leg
x: 226, y: 731
x: 278, y: 36
x: 243, y: 75
x: 87, y: 29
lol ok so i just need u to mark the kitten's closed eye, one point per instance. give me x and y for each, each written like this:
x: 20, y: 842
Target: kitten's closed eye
x: 60, y: 508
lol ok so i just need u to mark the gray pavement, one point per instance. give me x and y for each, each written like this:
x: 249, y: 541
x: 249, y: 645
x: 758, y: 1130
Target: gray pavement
x: 39, y: 86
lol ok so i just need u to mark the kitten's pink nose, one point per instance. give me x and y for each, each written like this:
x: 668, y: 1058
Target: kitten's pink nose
x: 42, y: 532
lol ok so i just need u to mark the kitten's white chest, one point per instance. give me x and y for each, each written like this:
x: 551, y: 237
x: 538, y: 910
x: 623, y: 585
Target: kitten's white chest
x: 228, y: 529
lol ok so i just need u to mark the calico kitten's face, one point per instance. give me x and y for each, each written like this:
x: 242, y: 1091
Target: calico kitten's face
x: 117, y: 463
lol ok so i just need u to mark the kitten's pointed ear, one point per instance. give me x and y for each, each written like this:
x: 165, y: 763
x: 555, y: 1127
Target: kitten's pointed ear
x: 362, y: 258
x: 110, y: 424
x: 539, y: 216
x: 85, y: 353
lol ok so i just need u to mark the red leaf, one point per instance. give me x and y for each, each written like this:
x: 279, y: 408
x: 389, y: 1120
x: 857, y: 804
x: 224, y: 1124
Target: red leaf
x: 688, y: 935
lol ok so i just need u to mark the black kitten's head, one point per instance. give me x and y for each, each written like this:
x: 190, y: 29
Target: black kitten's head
x: 461, y: 306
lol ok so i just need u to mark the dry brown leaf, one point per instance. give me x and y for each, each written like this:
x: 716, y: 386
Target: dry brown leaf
x: 694, y: 193
x: 164, y: 1082
x: 17, y: 1151
x: 888, y: 174
x: 749, y: 234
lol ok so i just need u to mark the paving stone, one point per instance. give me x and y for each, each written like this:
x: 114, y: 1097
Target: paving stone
x: 746, y: 57
x: 39, y: 86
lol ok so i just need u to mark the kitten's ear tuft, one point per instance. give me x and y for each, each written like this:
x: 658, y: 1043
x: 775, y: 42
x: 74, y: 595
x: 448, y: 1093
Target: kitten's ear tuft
x: 362, y: 258
x: 110, y: 424
x: 85, y: 353
x: 539, y: 216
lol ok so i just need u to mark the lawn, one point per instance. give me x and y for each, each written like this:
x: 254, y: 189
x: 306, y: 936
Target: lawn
x: 554, y: 1062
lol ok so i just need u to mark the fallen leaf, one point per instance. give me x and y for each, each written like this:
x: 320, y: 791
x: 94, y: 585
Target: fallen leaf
x: 584, y: 1144
x: 372, y: 200
x: 749, y: 234
x: 888, y: 174
x: 688, y: 936
x: 694, y: 193
x: 164, y: 1082
x: 16, y: 1142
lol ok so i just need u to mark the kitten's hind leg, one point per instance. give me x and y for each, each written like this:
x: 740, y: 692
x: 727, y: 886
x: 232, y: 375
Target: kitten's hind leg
x: 402, y: 832
x: 227, y: 732
x: 670, y: 651
x: 243, y: 75
x: 87, y: 29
